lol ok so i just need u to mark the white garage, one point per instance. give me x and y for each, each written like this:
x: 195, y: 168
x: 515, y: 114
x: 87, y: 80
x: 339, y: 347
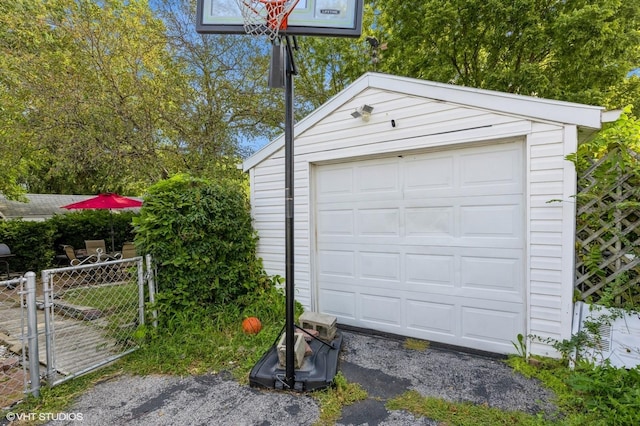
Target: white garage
x: 430, y: 218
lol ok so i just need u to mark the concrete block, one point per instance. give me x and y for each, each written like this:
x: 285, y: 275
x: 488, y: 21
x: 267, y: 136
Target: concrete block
x: 298, y: 350
x: 324, y: 324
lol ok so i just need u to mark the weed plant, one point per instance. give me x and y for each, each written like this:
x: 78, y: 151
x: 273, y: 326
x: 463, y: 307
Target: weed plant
x: 588, y: 394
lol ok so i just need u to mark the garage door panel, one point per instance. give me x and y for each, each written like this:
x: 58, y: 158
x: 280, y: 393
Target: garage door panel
x: 379, y: 265
x: 341, y: 304
x: 492, y: 170
x: 380, y: 310
x: 433, y: 175
x: 378, y: 178
x: 378, y: 222
x: 429, y: 221
x: 492, y: 274
x: 424, y: 269
x: 431, y: 317
x: 492, y: 324
x: 336, y: 222
x: 337, y: 263
x: 334, y: 181
x: 495, y: 221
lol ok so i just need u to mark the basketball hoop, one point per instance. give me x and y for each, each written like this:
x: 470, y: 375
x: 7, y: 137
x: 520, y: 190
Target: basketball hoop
x: 266, y: 17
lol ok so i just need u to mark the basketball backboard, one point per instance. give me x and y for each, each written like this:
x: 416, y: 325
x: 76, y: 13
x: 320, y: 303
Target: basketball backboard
x: 333, y: 18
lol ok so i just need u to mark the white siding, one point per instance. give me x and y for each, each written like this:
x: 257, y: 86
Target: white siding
x: 550, y: 254
x: 422, y: 124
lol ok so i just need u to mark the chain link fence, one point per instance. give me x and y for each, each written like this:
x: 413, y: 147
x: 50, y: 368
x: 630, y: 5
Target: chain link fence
x: 91, y: 314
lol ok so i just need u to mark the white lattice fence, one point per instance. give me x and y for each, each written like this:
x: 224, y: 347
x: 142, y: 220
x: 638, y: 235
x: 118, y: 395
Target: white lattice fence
x: 607, y: 231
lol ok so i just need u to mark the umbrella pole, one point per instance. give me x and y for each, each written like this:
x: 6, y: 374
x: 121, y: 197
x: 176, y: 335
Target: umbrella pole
x: 113, y: 250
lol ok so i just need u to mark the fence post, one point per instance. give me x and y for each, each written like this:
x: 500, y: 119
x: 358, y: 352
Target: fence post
x: 32, y: 334
x: 140, y: 265
x: 152, y: 289
x: 48, y: 326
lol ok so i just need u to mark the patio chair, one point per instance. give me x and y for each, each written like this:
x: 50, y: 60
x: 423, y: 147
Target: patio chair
x: 128, y: 251
x: 93, y: 246
x: 73, y: 259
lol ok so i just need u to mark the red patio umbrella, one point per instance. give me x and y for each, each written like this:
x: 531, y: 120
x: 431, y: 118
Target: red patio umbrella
x: 109, y: 201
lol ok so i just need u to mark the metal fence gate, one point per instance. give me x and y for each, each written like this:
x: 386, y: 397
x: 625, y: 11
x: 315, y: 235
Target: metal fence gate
x: 91, y: 314
x: 73, y: 321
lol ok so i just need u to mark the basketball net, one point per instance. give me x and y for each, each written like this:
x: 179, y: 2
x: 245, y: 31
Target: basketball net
x: 266, y: 17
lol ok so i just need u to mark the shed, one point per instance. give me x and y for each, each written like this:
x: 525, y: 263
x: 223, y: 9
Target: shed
x: 434, y: 216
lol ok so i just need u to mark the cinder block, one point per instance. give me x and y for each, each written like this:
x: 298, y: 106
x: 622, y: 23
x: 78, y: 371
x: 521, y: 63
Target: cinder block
x: 298, y: 350
x: 324, y: 324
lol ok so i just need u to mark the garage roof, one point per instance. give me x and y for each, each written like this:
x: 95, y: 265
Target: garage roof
x: 585, y: 116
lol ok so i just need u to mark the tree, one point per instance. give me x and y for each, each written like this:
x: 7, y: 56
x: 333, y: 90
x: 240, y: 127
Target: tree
x: 573, y: 50
x: 228, y: 74
x: 97, y: 88
x: 106, y: 96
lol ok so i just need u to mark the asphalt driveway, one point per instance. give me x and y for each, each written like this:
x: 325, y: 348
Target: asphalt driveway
x: 380, y: 364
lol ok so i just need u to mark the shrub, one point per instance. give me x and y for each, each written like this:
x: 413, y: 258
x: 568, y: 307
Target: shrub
x: 31, y: 242
x: 200, y: 236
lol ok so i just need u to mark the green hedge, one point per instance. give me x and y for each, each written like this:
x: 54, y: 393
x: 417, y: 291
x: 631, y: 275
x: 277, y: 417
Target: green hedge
x: 31, y: 242
x: 200, y: 235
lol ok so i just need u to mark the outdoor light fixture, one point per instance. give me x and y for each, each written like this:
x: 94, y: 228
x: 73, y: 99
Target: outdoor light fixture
x: 363, y: 112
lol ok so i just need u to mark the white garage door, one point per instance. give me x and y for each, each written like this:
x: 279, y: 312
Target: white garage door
x: 428, y: 246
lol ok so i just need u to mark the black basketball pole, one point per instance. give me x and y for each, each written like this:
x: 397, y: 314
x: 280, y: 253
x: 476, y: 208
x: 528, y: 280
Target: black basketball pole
x: 289, y: 234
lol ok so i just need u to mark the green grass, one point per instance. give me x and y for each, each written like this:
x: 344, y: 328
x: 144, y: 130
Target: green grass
x: 105, y: 297
x: 460, y: 414
x: 332, y: 399
x: 416, y: 344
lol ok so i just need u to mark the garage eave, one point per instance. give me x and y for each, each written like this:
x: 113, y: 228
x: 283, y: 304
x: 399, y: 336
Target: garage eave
x: 500, y: 102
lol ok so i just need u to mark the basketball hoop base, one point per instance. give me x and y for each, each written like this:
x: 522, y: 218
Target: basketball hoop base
x: 317, y: 371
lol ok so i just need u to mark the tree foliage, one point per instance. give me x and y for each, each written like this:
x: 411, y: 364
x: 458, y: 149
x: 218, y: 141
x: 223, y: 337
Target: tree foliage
x: 572, y: 50
x: 95, y: 86
x: 113, y: 96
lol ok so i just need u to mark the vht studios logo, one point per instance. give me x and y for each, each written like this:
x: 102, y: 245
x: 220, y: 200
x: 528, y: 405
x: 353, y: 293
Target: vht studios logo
x: 44, y: 417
